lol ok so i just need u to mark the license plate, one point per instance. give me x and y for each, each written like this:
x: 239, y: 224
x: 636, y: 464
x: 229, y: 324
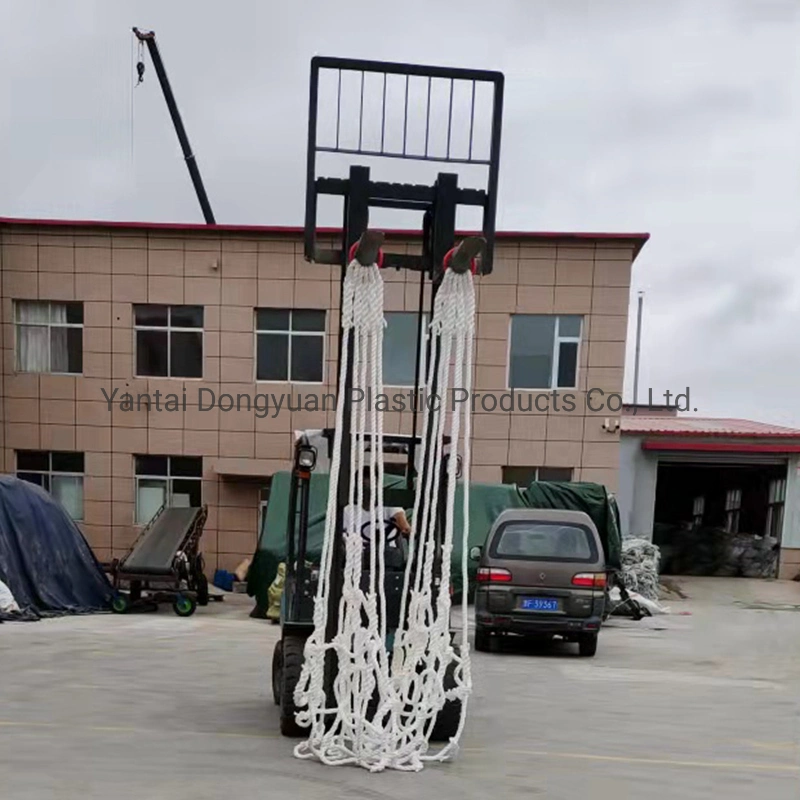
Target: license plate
x: 539, y: 604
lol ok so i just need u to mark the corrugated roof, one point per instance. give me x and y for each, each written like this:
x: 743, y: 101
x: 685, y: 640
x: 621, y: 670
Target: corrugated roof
x: 704, y: 426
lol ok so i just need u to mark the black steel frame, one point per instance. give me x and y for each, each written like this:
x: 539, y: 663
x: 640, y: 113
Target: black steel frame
x: 394, y: 195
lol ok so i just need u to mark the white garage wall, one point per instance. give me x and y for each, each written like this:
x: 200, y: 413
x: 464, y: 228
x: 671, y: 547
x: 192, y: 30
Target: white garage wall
x: 791, y: 514
x: 637, y: 488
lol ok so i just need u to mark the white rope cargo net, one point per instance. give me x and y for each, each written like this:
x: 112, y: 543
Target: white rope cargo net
x: 409, y: 689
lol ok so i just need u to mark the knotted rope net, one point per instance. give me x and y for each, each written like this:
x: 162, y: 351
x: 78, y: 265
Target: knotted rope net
x: 386, y: 700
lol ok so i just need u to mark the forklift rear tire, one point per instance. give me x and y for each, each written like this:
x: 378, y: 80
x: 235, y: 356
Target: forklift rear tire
x: 448, y: 719
x: 291, y: 664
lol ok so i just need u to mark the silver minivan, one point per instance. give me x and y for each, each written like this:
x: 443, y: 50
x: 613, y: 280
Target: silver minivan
x: 541, y: 573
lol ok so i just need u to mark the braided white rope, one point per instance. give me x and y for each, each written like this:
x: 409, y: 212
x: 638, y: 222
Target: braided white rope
x: 409, y: 691
x: 423, y: 652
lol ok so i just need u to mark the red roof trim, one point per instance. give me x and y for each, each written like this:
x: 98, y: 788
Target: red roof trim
x: 683, y: 434
x: 638, y: 239
x: 720, y: 447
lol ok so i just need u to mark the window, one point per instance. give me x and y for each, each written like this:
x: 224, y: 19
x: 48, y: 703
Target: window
x: 61, y: 474
x: 524, y: 476
x: 49, y: 337
x: 290, y: 345
x: 544, y: 351
x: 544, y: 541
x: 733, y: 505
x: 169, y: 341
x: 166, y: 480
x: 400, y: 348
x: 698, y: 510
x: 263, y: 503
x: 777, y: 499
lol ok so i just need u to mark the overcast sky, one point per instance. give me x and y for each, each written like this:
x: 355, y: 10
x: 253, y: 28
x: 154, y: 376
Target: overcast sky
x: 681, y: 119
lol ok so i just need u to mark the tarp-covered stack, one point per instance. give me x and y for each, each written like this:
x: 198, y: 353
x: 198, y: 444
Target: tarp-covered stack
x: 487, y: 501
x: 44, y: 559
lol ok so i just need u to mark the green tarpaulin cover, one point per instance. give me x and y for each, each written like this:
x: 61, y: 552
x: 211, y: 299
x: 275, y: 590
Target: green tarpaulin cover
x: 487, y: 501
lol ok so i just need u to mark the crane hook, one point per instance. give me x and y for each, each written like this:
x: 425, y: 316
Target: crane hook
x: 140, y: 61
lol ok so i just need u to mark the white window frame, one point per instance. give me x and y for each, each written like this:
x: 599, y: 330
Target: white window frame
x: 558, y: 339
x: 733, y: 507
x: 169, y: 328
x: 776, y: 505
x: 50, y: 472
x: 323, y: 334
x: 698, y: 509
x: 167, y: 479
x: 19, y: 324
x: 423, y: 366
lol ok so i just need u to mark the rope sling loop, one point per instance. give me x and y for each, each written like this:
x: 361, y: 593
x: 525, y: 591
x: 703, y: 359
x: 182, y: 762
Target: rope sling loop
x: 406, y: 691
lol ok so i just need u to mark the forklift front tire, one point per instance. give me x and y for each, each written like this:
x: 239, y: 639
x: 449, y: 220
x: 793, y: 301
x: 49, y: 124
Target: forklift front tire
x: 291, y: 665
x: 449, y: 718
x: 277, y: 667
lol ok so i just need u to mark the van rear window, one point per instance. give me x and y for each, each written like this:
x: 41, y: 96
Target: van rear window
x: 546, y: 541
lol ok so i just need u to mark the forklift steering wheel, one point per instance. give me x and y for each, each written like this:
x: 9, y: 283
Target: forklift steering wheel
x: 390, y: 532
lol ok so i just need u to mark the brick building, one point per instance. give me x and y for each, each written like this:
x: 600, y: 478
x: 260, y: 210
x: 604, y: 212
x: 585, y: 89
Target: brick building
x: 200, y: 313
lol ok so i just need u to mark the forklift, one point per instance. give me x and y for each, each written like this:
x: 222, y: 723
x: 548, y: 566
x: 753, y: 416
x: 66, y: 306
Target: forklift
x: 438, y: 203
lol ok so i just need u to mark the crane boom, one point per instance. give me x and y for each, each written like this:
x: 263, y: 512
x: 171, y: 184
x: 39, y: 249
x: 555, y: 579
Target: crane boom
x: 149, y: 38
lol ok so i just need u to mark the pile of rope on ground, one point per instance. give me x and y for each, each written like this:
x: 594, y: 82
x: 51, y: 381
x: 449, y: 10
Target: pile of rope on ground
x: 640, y: 563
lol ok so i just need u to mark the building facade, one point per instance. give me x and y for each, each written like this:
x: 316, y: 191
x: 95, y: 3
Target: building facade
x: 145, y: 364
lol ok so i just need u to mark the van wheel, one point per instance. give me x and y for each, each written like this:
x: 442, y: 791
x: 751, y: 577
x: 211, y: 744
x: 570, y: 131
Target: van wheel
x: 587, y: 645
x: 483, y: 640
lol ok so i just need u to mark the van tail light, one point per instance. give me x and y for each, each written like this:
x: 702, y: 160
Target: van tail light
x: 590, y: 580
x: 493, y: 575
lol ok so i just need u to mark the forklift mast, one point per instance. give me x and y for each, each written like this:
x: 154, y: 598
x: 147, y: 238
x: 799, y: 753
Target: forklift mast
x: 466, y: 104
x: 149, y: 38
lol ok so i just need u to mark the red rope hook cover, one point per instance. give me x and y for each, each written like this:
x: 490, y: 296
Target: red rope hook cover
x: 352, y: 254
x: 473, y: 264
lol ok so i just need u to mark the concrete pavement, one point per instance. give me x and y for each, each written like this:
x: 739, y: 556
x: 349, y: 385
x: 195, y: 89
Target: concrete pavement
x: 156, y: 707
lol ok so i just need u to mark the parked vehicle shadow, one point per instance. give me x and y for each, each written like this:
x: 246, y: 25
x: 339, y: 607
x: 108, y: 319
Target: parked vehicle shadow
x: 548, y: 647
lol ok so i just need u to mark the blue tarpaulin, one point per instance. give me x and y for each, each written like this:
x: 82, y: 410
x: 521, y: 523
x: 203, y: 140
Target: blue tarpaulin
x: 44, y: 558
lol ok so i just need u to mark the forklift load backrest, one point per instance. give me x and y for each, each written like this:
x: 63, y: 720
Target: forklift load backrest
x: 321, y: 440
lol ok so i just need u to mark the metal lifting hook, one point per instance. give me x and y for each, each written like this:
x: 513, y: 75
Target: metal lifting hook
x: 140, y: 61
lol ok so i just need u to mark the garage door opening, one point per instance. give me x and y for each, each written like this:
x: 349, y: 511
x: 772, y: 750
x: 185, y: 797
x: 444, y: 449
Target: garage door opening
x: 719, y: 519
